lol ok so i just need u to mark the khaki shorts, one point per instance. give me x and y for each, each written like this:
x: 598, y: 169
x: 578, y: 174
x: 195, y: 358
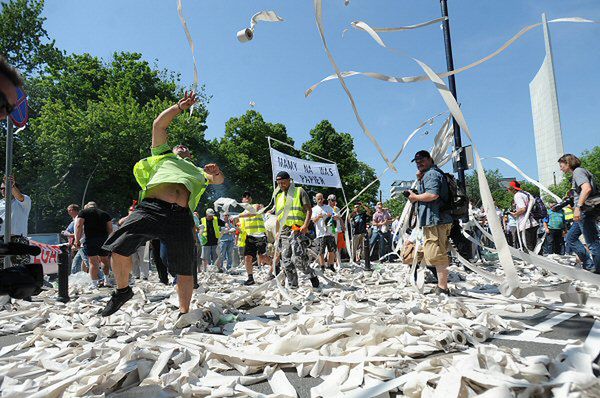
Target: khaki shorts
x: 436, y: 246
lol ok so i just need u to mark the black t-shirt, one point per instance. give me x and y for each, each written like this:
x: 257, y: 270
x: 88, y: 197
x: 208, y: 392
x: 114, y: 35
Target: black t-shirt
x: 211, y: 238
x: 95, y: 222
x: 359, y: 223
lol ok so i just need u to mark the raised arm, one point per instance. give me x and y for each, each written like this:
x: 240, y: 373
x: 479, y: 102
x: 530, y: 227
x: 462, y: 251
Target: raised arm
x: 159, y: 127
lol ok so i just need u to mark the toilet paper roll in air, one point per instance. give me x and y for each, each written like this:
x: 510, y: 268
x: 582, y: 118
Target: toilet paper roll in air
x: 245, y: 35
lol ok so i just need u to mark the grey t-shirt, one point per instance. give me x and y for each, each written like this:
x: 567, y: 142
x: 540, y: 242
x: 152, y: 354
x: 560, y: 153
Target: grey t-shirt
x: 580, y: 177
x: 430, y: 213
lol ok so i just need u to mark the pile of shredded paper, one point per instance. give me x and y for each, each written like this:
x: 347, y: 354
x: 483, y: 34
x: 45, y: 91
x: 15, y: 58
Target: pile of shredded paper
x: 364, y: 334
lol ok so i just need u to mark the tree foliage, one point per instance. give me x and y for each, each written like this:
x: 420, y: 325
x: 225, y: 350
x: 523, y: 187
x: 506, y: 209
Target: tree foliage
x: 23, y: 40
x: 338, y: 147
x: 94, y: 121
x: 244, y: 154
x: 395, y: 205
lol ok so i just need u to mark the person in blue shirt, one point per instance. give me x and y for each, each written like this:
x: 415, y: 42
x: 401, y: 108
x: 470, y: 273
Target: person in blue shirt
x: 435, y: 220
x: 554, y: 225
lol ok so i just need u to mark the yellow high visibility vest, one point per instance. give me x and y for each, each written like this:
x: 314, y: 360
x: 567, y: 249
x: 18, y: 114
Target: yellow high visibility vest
x: 215, y: 223
x: 297, y: 215
x: 253, y: 225
x: 568, y: 213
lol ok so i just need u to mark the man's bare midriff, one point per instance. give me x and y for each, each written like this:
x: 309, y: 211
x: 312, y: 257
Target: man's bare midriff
x: 172, y: 193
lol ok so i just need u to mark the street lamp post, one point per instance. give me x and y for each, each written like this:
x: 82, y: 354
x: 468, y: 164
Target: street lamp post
x: 460, y: 165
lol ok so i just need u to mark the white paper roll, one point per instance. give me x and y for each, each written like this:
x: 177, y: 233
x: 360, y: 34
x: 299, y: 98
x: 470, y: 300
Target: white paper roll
x: 444, y: 339
x: 459, y: 337
x: 480, y: 333
x: 245, y: 35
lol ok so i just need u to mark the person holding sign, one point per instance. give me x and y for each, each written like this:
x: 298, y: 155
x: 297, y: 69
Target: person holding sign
x: 294, y: 211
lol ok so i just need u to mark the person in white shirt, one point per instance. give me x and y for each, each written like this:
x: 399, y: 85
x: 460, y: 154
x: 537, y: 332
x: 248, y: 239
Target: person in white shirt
x: 20, y: 208
x: 324, y: 218
x: 525, y: 222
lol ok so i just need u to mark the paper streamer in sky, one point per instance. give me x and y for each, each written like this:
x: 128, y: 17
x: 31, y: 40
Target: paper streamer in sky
x: 531, y: 180
x: 247, y: 34
x: 355, y: 24
x: 319, y: 19
x: 192, y: 47
x: 412, y: 79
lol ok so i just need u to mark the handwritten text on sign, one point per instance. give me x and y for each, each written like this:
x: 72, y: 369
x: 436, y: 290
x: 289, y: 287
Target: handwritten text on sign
x: 306, y: 172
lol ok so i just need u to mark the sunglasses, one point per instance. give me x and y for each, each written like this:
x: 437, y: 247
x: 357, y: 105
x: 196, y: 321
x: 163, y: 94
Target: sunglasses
x: 4, y: 104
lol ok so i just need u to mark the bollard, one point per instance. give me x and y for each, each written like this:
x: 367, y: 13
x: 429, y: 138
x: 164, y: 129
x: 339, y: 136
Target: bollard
x: 63, y: 274
x: 367, y: 253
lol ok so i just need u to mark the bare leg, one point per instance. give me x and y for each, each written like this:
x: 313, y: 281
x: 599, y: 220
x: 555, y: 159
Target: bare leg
x: 266, y: 260
x: 121, y: 268
x: 321, y: 261
x: 330, y: 258
x: 248, y: 264
x: 442, y: 274
x: 204, y: 265
x: 94, y: 267
x: 185, y: 288
x: 105, y: 265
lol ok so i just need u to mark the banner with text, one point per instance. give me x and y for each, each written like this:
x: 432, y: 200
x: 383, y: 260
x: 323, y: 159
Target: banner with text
x: 306, y: 172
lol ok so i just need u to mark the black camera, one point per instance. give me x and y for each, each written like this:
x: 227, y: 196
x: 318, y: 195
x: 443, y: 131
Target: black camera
x: 20, y: 281
x: 569, y: 201
x: 407, y: 192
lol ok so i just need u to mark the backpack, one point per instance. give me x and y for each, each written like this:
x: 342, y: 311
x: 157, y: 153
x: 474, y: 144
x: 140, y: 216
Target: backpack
x: 456, y: 203
x: 538, y: 211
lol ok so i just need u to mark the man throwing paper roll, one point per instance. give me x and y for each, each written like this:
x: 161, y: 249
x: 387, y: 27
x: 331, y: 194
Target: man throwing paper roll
x: 171, y: 189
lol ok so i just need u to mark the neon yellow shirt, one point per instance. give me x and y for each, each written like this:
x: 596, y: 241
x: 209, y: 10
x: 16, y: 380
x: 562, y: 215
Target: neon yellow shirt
x: 164, y: 167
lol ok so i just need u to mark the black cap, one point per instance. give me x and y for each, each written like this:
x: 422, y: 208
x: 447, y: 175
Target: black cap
x: 421, y: 155
x: 282, y: 175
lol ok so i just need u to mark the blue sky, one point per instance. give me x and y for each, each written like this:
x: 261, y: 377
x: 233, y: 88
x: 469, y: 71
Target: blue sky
x: 284, y: 59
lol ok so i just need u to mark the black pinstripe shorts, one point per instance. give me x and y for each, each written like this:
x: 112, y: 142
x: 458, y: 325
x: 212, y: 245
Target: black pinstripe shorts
x: 172, y: 224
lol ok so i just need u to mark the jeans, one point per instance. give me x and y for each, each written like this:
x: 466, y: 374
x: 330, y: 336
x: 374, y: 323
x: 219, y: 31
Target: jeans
x: 383, y: 238
x: 555, y: 242
x: 139, y: 266
x: 79, y: 258
x: 586, y: 226
x: 226, y: 252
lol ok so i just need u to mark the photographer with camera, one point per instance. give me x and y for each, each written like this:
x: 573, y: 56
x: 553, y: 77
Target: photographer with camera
x: 586, y: 204
x: 436, y: 222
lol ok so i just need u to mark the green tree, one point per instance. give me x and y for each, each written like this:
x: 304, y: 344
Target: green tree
x: 23, y: 40
x: 326, y: 142
x: 244, y: 155
x: 493, y: 177
x: 98, y: 127
x: 395, y: 205
x: 591, y: 161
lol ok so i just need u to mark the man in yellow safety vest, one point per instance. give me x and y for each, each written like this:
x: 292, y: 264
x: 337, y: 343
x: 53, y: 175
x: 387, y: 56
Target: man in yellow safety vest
x: 211, y: 232
x: 254, y: 238
x: 294, y: 211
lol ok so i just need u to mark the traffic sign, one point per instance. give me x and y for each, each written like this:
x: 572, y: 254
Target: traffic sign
x: 20, y: 114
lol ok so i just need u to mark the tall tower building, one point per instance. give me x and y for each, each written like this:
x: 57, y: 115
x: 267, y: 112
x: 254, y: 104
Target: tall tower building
x: 546, y: 117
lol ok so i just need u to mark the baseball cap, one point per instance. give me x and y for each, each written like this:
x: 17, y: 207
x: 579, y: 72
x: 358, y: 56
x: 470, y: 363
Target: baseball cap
x: 210, y: 212
x: 331, y: 197
x: 421, y: 155
x: 282, y: 175
x: 515, y: 185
